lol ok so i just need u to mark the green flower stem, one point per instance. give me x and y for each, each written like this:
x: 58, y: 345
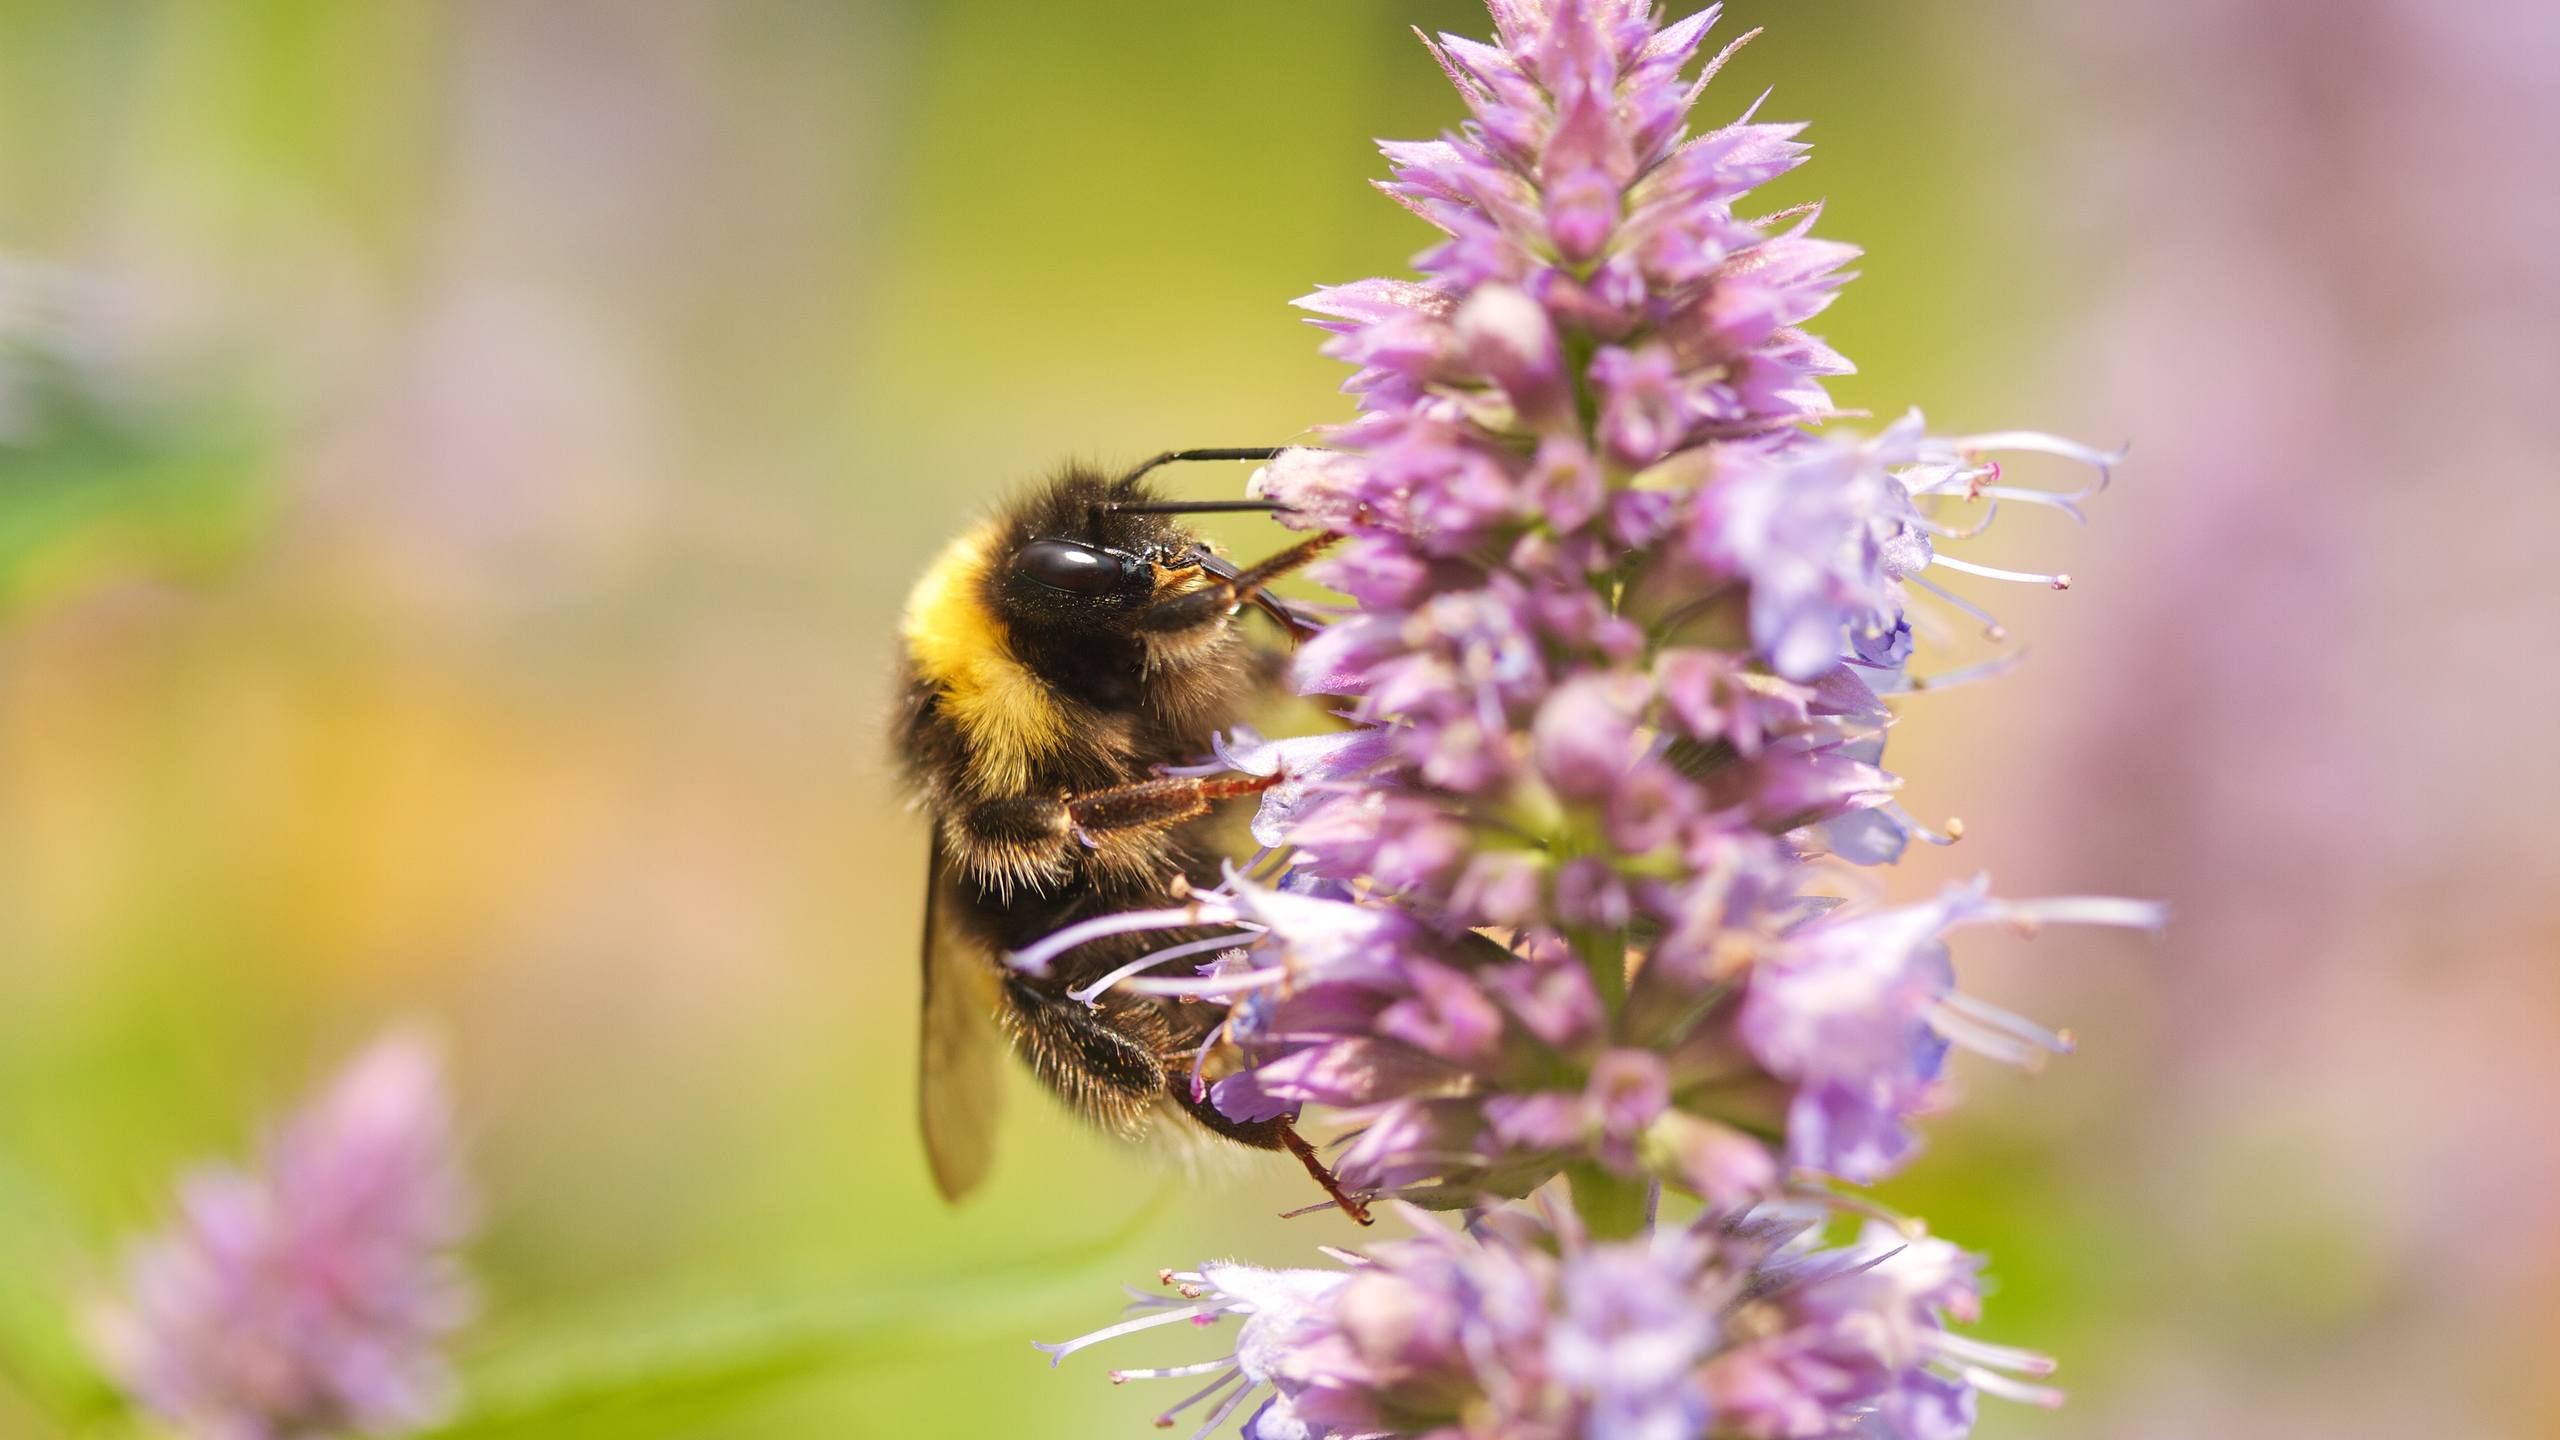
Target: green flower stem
x: 1612, y: 1208
x: 1604, y: 954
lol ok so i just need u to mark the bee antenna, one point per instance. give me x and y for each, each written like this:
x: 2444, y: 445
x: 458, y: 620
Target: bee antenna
x: 1128, y: 482
x: 1176, y: 457
x: 1190, y: 507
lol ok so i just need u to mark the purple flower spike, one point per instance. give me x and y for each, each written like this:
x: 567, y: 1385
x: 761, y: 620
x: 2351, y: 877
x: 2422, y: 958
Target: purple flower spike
x: 307, y: 1297
x: 1569, y: 911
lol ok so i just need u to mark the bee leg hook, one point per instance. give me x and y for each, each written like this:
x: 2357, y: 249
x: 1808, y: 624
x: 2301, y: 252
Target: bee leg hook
x: 1352, y: 1205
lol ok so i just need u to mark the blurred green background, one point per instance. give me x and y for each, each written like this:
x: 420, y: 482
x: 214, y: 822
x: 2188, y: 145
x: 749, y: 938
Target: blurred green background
x: 459, y: 464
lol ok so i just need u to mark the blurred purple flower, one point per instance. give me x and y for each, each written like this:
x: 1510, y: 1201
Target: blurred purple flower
x: 306, y: 1298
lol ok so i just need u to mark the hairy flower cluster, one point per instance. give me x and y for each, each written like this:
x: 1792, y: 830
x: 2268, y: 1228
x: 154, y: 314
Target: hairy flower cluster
x: 1576, y: 894
x: 306, y: 1298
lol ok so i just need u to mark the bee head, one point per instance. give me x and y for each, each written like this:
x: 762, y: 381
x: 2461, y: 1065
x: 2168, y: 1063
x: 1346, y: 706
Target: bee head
x: 1080, y: 559
x: 1095, y: 586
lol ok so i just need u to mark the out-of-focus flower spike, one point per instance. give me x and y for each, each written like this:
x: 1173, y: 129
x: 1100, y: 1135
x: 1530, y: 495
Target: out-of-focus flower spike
x: 309, y: 1296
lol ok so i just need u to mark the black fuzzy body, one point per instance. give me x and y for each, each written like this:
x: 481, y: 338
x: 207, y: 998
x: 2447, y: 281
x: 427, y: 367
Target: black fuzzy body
x: 1119, y: 702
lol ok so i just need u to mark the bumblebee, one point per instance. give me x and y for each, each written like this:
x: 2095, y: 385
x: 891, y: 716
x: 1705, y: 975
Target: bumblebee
x: 1056, y: 659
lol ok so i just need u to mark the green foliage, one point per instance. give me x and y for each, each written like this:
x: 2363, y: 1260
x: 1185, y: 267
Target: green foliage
x: 39, y: 1354
x: 91, y: 485
x: 670, y: 1366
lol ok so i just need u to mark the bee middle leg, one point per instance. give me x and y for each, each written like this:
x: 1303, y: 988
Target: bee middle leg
x: 1030, y: 820
x: 1017, y: 837
x: 1152, y: 804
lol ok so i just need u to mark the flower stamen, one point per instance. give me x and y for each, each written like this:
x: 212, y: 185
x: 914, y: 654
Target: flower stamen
x: 1993, y: 572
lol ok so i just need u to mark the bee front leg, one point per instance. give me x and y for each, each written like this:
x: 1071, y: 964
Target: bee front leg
x: 1230, y: 587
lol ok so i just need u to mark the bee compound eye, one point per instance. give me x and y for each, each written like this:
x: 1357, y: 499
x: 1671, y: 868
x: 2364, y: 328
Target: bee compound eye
x: 1066, y: 565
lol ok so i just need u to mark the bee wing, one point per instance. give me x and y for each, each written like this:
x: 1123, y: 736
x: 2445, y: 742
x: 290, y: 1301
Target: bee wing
x: 956, y: 1070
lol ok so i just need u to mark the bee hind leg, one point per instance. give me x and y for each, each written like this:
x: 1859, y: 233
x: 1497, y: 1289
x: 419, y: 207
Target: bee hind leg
x: 1275, y: 1134
x: 1102, y: 1073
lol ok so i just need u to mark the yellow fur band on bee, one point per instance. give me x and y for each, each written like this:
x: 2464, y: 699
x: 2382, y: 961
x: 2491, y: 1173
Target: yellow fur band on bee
x: 1010, y: 719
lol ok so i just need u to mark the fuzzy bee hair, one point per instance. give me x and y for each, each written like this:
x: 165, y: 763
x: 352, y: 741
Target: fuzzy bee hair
x: 1056, y: 658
